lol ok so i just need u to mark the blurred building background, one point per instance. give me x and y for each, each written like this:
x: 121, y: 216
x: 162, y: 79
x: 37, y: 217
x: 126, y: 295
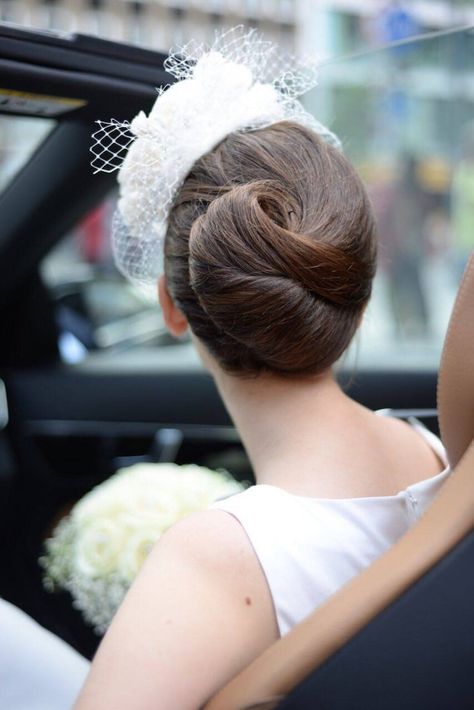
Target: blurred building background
x: 396, y: 84
x: 339, y: 25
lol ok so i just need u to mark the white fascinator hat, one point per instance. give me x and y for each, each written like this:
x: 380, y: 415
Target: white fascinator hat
x: 240, y: 82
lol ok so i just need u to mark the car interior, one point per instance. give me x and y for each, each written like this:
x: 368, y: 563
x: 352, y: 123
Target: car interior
x: 402, y: 631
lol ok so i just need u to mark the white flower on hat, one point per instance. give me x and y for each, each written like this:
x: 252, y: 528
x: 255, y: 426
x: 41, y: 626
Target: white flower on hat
x: 239, y: 83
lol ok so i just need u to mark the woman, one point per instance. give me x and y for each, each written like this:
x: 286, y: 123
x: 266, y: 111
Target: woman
x: 269, y: 256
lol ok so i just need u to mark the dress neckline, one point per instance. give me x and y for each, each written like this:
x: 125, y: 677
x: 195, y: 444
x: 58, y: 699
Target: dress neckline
x: 426, y: 483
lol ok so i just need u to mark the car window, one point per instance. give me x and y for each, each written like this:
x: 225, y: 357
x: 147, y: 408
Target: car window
x: 404, y: 115
x: 20, y: 136
x: 97, y: 309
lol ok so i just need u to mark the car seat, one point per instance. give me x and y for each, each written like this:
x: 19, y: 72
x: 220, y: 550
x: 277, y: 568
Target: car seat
x: 401, y: 634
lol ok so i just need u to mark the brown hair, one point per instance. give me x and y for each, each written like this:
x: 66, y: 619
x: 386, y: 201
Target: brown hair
x: 270, y: 251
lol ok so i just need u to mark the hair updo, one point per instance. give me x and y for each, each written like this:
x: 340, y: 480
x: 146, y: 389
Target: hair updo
x: 270, y: 251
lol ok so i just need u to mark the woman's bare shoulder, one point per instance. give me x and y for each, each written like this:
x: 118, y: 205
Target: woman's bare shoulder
x: 199, y: 610
x: 201, y: 530
x: 216, y: 541
x: 412, y: 449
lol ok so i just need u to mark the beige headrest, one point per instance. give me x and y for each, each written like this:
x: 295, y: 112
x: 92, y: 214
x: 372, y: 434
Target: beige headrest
x: 456, y: 374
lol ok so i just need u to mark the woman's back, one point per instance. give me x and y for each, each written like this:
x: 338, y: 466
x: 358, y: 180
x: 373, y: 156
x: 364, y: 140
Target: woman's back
x: 308, y: 547
x: 309, y: 438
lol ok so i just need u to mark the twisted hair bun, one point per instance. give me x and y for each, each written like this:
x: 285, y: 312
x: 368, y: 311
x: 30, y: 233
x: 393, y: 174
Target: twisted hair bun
x: 270, y: 251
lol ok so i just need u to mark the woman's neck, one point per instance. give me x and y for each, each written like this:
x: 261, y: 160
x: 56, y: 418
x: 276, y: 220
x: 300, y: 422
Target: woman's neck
x: 286, y: 423
x: 308, y: 437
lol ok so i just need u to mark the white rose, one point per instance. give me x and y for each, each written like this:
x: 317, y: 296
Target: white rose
x: 136, y: 550
x: 98, y: 547
x: 105, y: 500
x: 148, y: 505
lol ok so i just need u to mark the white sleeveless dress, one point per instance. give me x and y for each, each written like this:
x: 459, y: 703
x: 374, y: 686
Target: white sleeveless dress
x: 310, y: 547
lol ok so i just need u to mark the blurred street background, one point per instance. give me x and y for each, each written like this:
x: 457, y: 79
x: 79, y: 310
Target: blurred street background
x: 337, y: 26
x: 396, y: 85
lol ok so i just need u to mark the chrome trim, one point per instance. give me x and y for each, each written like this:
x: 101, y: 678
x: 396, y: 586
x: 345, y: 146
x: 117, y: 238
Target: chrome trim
x: 4, y: 416
x: 407, y: 413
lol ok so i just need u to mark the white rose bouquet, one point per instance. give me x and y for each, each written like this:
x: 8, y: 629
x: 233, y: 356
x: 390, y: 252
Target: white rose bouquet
x: 96, y: 551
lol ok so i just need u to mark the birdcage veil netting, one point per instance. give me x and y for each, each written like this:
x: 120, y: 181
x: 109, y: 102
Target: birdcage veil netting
x: 240, y: 82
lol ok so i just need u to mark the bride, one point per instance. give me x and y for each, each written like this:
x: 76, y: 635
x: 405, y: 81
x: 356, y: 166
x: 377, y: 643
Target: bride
x: 262, y: 240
